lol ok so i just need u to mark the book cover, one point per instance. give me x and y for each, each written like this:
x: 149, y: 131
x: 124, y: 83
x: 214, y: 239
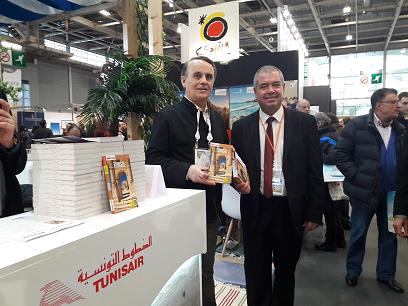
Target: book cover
x: 239, y: 171
x: 221, y: 163
x: 119, y: 182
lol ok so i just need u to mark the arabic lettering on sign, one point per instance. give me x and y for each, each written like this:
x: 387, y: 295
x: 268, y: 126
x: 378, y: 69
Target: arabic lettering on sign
x: 115, y: 273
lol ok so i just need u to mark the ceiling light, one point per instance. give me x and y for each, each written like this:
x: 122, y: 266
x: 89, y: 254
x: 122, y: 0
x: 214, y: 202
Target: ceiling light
x: 273, y: 20
x: 349, y: 37
x: 346, y: 10
x: 104, y: 13
x: 306, y: 53
x: 10, y: 45
x: 179, y: 29
x: 110, y: 23
x: 170, y: 3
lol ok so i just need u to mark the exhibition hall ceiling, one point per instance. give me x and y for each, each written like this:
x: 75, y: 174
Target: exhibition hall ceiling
x: 371, y: 25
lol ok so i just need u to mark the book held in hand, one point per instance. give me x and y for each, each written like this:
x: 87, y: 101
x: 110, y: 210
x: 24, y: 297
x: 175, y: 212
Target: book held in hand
x: 119, y: 182
x: 221, y: 163
x: 239, y: 171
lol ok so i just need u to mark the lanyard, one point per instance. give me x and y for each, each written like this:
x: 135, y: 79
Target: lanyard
x: 274, y: 147
x: 208, y: 122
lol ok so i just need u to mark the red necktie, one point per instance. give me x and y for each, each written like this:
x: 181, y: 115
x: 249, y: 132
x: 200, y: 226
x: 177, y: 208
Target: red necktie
x: 268, y: 160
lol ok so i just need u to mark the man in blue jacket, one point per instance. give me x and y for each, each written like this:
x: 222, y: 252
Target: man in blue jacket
x: 368, y: 154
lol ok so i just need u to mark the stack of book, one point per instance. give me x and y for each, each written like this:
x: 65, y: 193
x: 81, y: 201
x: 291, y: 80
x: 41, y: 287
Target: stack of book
x: 68, y: 178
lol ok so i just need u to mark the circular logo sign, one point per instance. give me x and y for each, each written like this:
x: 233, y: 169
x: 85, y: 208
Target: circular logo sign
x: 213, y: 27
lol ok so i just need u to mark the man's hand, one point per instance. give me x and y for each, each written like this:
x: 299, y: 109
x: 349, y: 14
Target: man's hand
x: 199, y: 175
x: 7, y: 125
x: 310, y: 226
x: 401, y: 226
x: 243, y: 188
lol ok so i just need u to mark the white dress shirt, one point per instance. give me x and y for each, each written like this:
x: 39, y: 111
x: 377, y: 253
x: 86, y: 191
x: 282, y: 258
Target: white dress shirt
x: 278, y: 155
x: 385, y: 132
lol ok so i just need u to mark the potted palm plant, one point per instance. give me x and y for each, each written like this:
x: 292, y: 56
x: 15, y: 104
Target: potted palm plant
x: 131, y: 87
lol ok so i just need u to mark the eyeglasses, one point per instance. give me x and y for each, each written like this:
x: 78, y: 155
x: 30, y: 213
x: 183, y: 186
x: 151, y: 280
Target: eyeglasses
x: 390, y: 102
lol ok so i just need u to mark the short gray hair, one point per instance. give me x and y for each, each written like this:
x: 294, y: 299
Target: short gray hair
x: 267, y: 68
x: 300, y: 101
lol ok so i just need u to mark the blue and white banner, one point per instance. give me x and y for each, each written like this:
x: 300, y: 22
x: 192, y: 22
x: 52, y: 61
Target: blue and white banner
x: 14, y: 11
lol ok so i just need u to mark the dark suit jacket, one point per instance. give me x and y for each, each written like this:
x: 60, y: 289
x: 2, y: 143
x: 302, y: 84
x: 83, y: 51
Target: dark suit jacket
x: 302, y: 167
x: 172, y: 146
x: 14, y: 162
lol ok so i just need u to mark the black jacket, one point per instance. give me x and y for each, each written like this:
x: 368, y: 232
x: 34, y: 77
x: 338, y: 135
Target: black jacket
x: 328, y: 149
x: 358, y: 154
x: 302, y: 167
x: 401, y: 197
x: 14, y: 162
x: 172, y: 146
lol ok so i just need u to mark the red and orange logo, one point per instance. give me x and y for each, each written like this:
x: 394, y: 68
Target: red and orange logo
x: 213, y: 27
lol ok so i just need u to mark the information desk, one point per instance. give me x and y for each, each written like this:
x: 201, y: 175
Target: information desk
x: 110, y: 259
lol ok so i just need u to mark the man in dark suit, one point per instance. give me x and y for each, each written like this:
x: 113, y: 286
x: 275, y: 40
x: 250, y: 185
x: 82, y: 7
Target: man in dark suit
x: 176, y: 132
x: 285, y: 193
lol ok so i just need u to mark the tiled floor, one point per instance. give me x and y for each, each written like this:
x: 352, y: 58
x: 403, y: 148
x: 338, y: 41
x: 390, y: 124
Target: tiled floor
x: 320, y: 276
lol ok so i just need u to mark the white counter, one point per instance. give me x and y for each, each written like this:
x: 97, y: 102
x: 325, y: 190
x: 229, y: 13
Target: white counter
x: 110, y: 259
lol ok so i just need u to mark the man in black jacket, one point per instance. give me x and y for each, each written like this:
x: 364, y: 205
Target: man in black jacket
x: 284, y: 196
x: 177, y: 130
x: 13, y: 158
x: 368, y: 153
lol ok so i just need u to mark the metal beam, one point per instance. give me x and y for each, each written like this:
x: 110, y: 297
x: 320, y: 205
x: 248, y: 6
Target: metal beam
x: 87, y: 40
x: 319, y: 26
x: 94, y: 26
x: 362, y: 45
x: 342, y: 24
x: 83, y: 11
x: 394, y: 22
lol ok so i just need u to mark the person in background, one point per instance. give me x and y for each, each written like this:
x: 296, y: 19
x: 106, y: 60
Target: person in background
x: 123, y: 130
x: 43, y: 131
x: 343, y: 121
x: 303, y: 106
x: 403, y: 108
x: 332, y: 209
x: 400, y: 222
x: 13, y: 158
x: 173, y: 139
x: 284, y: 195
x: 73, y: 130
x: 24, y: 136
x: 368, y: 153
x: 344, y: 205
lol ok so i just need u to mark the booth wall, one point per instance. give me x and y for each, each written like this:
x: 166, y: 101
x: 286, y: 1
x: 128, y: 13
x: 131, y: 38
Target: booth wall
x: 242, y: 70
x: 49, y: 86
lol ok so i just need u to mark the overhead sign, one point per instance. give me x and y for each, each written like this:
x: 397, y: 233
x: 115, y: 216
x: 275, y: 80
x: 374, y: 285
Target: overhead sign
x: 214, y: 31
x: 12, y: 57
x: 5, y: 56
x: 376, y: 78
x: 19, y: 58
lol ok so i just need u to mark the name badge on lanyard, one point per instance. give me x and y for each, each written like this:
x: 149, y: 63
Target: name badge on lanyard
x: 202, y: 155
x: 278, y: 182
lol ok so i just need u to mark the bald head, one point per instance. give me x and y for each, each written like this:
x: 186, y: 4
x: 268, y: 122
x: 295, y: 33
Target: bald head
x: 303, y: 106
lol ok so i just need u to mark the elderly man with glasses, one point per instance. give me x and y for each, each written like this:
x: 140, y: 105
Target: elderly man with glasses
x: 368, y: 153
